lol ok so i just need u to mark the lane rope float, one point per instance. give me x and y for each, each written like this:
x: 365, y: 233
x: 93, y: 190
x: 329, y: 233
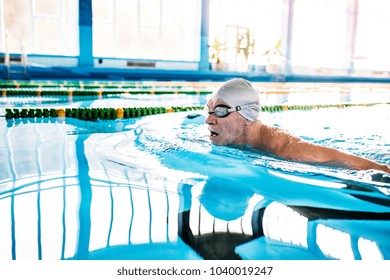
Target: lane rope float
x: 134, y: 112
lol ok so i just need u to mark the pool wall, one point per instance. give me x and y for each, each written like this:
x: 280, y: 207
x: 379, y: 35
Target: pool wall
x: 91, y: 73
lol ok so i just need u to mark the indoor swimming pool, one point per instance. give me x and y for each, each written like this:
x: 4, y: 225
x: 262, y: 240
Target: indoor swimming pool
x: 154, y: 187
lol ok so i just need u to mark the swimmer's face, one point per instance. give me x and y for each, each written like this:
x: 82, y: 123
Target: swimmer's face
x: 227, y: 130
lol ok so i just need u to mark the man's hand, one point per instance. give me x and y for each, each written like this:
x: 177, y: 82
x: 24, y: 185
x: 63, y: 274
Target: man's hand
x: 377, y: 176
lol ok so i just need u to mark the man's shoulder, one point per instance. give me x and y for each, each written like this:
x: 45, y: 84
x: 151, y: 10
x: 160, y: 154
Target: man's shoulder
x: 272, y: 130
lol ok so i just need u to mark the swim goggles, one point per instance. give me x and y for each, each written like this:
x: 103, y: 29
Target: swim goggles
x: 222, y: 111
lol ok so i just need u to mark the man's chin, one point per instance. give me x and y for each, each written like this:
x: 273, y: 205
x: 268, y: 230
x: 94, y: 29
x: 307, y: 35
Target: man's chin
x: 218, y: 142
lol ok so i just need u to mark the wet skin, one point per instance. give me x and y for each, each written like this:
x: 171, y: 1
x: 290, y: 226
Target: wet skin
x: 234, y: 129
x: 229, y: 130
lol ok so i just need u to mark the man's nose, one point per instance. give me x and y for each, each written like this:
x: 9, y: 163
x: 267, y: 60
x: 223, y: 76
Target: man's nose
x: 211, y: 119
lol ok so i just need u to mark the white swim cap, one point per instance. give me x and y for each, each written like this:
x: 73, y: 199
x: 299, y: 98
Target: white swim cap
x: 239, y: 92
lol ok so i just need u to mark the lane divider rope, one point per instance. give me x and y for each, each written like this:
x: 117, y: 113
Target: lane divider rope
x: 119, y: 113
x: 94, y: 113
x: 40, y: 92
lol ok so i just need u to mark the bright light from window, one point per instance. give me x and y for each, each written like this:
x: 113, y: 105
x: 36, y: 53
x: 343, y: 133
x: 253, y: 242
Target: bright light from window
x: 369, y: 250
x: 284, y: 224
x: 334, y: 243
x: 317, y: 41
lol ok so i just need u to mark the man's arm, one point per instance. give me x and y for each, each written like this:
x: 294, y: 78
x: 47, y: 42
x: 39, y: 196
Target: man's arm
x: 285, y: 145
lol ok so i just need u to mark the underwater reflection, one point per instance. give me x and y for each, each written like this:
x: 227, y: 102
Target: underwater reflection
x: 222, y: 221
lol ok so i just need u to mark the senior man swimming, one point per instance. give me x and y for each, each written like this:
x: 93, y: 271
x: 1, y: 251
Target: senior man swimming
x: 233, y: 119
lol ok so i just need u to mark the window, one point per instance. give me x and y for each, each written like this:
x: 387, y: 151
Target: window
x: 47, y: 26
x: 147, y: 29
x: 372, y: 45
x: 241, y: 31
x: 319, y: 33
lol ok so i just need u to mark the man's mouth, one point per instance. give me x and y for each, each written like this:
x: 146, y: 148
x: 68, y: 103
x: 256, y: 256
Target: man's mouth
x: 213, y: 134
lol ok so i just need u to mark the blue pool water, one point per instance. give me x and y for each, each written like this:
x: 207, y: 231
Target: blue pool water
x: 156, y: 188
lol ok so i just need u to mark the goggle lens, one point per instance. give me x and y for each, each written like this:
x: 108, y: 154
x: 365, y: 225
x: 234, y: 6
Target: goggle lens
x: 221, y: 111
